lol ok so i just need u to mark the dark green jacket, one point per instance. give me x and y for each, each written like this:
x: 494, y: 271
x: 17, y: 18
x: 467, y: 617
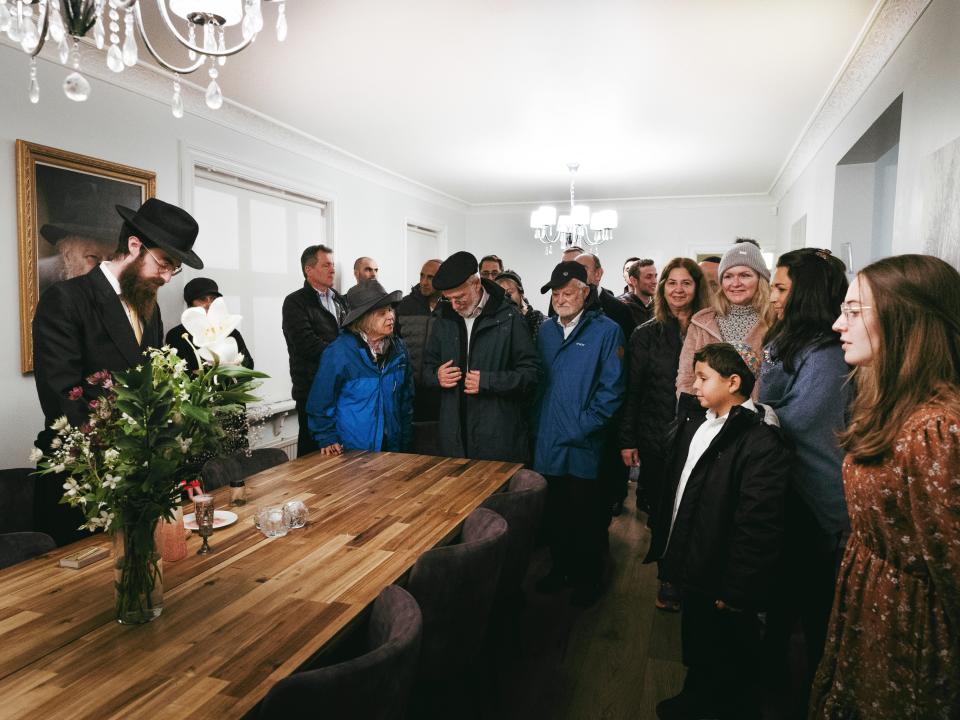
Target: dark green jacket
x: 494, y: 424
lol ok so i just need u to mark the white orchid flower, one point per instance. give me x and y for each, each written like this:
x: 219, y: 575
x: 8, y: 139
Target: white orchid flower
x: 36, y: 454
x: 210, y: 330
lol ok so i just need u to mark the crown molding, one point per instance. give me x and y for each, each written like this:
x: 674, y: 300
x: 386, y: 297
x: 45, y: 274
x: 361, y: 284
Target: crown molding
x: 650, y: 203
x: 155, y: 84
x: 885, y: 29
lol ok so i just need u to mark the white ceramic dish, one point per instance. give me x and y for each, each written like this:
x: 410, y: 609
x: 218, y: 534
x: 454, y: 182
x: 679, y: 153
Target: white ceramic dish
x: 221, y: 518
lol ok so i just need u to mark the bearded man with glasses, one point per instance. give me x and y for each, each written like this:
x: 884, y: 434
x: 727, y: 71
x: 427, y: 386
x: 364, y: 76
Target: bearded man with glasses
x: 103, y: 320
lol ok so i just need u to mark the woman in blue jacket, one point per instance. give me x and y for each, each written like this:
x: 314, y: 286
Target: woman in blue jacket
x: 805, y: 381
x: 362, y: 394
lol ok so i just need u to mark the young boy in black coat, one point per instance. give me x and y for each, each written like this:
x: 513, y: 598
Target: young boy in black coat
x: 719, y: 533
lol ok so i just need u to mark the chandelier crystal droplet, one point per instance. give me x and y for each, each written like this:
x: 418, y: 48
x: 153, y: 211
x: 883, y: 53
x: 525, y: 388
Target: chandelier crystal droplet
x: 75, y: 86
x: 34, y: 85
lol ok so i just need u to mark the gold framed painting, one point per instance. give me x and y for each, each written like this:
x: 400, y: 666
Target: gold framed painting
x: 66, y: 220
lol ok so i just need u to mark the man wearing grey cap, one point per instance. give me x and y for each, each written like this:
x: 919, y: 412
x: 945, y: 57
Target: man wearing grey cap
x: 482, y: 359
x: 582, y: 352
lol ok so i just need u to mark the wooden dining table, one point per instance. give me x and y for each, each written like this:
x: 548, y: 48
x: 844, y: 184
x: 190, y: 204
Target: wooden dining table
x: 244, y: 616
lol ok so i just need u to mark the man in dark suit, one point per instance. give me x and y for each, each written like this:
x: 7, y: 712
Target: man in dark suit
x: 103, y: 320
x: 311, y: 321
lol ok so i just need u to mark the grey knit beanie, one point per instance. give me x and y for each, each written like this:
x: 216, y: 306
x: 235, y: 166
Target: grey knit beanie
x: 746, y: 254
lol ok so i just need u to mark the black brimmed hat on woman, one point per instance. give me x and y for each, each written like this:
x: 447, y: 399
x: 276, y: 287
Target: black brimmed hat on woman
x: 365, y: 297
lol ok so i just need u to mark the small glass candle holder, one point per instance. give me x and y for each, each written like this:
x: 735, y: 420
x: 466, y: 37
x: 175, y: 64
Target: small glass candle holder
x: 238, y: 492
x: 203, y: 512
x: 295, y: 514
x: 271, y: 521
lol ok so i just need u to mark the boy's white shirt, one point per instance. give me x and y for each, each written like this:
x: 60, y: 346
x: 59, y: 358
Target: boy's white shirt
x: 701, y: 440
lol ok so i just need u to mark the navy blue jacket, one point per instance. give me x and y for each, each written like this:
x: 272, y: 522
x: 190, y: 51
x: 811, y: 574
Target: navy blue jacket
x: 356, y: 403
x: 583, y: 386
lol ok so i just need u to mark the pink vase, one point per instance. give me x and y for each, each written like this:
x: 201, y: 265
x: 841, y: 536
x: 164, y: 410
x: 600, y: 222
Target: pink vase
x: 172, y: 538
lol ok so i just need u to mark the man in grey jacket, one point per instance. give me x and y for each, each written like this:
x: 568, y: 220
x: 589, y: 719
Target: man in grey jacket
x: 414, y: 322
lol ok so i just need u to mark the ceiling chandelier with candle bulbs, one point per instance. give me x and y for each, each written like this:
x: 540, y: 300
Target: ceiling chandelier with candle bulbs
x: 200, y: 28
x: 574, y: 228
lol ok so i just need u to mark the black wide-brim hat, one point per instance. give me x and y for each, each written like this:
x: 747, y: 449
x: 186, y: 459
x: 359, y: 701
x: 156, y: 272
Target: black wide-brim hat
x: 365, y: 297
x: 168, y: 227
x: 55, y: 232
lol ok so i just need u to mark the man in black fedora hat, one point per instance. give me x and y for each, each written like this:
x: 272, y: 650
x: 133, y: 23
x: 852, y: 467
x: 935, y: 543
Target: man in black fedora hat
x: 481, y: 357
x: 103, y: 320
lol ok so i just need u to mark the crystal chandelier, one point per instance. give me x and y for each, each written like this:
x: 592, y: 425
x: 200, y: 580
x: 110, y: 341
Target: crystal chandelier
x: 32, y: 22
x: 572, y: 229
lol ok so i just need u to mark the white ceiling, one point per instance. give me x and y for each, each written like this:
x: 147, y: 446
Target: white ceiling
x: 487, y: 100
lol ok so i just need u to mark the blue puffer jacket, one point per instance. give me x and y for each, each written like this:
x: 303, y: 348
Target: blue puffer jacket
x: 357, y: 404
x: 583, y: 386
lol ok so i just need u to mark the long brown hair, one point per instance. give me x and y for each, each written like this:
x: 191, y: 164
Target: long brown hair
x: 916, y: 301
x: 701, y: 297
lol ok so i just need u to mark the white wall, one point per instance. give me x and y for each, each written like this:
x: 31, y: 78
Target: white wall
x: 924, y: 69
x: 659, y: 229
x: 117, y: 125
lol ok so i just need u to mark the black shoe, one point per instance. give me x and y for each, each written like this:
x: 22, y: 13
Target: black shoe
x: 682, y: 707
x: 551, y: 583
x: 586, y: 595
x: 616, y: 508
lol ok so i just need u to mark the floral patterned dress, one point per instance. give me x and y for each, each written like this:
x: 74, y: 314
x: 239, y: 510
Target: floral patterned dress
x: 893, y: 647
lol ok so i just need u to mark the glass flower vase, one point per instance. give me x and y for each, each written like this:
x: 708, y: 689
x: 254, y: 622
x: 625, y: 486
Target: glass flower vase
x: 137, y: 574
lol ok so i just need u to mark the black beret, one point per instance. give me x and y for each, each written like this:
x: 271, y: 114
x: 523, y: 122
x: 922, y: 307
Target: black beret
x: 455, y: 271
x: 198, y: 287
x: 565, y: 272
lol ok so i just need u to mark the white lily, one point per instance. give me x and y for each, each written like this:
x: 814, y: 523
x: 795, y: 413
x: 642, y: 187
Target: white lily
x: 210, y: 330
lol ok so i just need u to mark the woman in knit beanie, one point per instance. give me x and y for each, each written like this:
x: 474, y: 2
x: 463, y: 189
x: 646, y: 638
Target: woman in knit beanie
x: 741, y: 311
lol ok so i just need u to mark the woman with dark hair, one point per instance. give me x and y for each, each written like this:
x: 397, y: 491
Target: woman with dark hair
x: 650, y: 405
x: 362, y: 394
x: 804, y: 379
x: 893, y: 646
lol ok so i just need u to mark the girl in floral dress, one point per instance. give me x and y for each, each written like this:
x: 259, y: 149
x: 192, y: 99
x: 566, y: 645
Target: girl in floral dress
x: 893, y: 647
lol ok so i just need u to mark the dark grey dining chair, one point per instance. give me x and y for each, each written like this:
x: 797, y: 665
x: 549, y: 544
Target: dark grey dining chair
x: 455, y: 586
x: 16, y: 547
x: 375, y: 685
x: 17, y: 499
x: 220, y: 471
x: 521, y: 505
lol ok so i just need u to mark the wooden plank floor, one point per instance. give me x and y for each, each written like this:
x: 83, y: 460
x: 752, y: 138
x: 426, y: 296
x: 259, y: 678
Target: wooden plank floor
x: 613, y: 661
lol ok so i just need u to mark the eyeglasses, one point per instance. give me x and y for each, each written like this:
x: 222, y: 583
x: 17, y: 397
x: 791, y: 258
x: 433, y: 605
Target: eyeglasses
x: 163, y: 267
x: 852, y: 312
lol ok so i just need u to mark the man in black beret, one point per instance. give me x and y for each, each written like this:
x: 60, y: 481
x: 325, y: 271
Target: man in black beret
x: 482, y: 359
x: 201, y: 292
x: 103, y: 320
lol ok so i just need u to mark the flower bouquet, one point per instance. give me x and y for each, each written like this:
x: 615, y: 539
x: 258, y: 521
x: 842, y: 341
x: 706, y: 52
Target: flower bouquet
x: 149, y: 428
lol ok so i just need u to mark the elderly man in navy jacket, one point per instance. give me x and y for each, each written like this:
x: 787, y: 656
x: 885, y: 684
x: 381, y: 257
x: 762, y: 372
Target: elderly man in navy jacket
x: 581, y: 352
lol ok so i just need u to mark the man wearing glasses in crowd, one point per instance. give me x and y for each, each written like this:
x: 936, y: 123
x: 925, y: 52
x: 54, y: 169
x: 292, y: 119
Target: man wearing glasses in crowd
x: 490, y: 267
x: 103, y: 320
